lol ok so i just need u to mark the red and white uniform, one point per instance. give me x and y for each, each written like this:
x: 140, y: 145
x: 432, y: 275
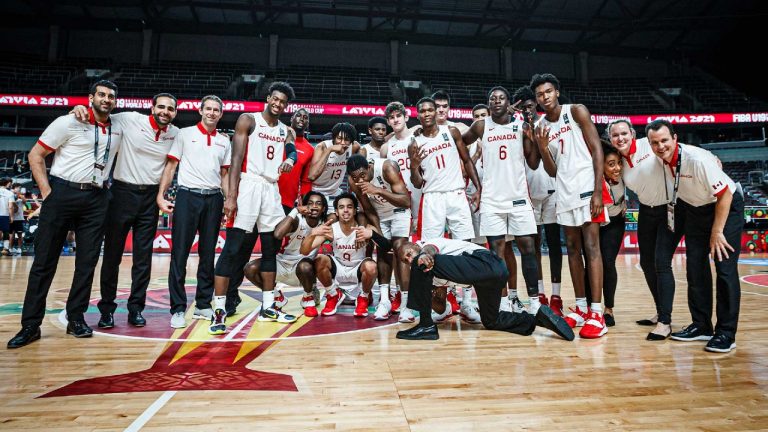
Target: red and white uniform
x: 505, y: 206
x: 144, y: 149
x: 542, y: 190
x: 575, y: 181
x: 444, y: 201
x: 289, y: 256
x: 329, y: 181
x: 347, y: 257
x: 258, y: 198
x: 394, y: 221
x: 201, y: 157
x: 397, y: 152
x: 371, y: 153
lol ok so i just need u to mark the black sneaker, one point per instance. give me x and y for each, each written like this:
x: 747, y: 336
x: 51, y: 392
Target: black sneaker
x: 720, y: 343
x: 107, y: 321
x: 691, y: 333
x: 547, y: 318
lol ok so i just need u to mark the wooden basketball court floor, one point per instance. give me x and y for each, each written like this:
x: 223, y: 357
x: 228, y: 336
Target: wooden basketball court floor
x: 342, y: 373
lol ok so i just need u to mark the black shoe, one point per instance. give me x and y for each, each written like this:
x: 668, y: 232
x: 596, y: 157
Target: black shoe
x: 106, y: 321
x: 646, y: 322
x: 720, y: 343
x: 135, y: 319
x: 692, y: 333
x: 231, y: 305
x: 609, y: 320
x: 657, y: 337
x: 26, y: 336
x: 419, y: 333
x: 79, y: 329
x: 546, y: 318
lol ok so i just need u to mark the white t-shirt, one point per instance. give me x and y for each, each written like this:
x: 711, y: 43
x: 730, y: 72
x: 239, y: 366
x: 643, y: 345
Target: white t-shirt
x: 73, y: 143
x: 345, y: 248
x: 701, y: 180
x: 505, y: 188
x: 6, y: 197
x: 265, y: 150
x: 643, y: 173
x: 453, y: 247
x: 575, y: 180
x: 144, y: 149
x: 441, y: 168
x: 201, y: 157
x: 329, y: 181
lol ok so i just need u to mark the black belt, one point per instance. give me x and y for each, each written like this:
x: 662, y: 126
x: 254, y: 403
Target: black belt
x: 135, y: 187
x: 74, y: 185
x: 201, y: 191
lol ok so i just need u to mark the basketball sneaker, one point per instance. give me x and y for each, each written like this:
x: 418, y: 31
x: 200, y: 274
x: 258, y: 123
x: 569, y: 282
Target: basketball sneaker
x: 178, y: 320
x: 440, y: 317
x: 594, y: 327
x: 308, y: 303
x: 332, y: 302
x: 361, y: 306
x: 576, y: 317
x: 280, y: 300
x: 383, y: 310
x: 396, y: 300
x: 505, y: 305
x: 272, y: 314
x: 218, y: 322
x: 406, y: 316
x: 453, y: 303
x: 543, y: 299
x: 203, y: 314
x: 469, y: 313
x: 556, y: 304
x: 517, y: 305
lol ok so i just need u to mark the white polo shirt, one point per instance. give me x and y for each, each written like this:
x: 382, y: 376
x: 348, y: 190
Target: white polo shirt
x: 447, y: 246
x: 643, y: 173
x: 73, y: 143
x: 701, y: 179
x: 201, y: 157
x: 144, y: 149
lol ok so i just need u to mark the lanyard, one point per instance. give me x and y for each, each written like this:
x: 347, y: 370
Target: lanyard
x: 96, y: 144
x: 677, y: 176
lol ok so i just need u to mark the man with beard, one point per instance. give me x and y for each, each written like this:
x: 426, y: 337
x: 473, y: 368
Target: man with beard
x: 139, y: 165
x: 295, y: 183
x: 75, y: 197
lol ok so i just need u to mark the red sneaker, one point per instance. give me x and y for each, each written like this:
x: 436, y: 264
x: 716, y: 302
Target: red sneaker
x: 280, y: 299
x: 361, y: 307
x: 543, y: 299
x: 455, y: 308
x: 577, y: 317
x: 332, y: 302
x: 594, y: 327
x: 556, y: 304
x: 396, y: 301
x: 308, y: 303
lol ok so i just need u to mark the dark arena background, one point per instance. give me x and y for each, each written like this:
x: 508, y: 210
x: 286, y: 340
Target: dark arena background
x: 696, y: 63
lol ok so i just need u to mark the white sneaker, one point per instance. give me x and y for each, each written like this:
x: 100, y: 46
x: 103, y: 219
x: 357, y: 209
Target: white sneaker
x: 437, y: 317
x: 203, y: 314
x: 406, y: 315
x: 505, y: 305
x: 517, y: 305
x: 535, y: 305
x: 470, y: 313
x: 178, y: 321
x: 383, y: 310
x: 280, y: 300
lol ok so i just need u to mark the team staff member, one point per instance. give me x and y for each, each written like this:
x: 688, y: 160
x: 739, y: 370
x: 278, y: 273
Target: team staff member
x: 714, y: 218
x: 203, y: 157
x: 75, y: 197
x: 139, y: 165
x: 294, y: 184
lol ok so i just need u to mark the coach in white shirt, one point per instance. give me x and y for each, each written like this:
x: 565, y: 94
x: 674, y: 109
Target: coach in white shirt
x: 714, y: 219
x: 203, y: 158
x: 74, y: 198
x: 147, y: 140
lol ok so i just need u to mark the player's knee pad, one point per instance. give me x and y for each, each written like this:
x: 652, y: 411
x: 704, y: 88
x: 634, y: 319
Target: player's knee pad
x: 268, y: 252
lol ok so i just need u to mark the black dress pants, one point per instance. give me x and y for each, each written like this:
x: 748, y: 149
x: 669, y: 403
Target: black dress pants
x: 64, y: 209
x: 134, y: 208
x: 194, y: 214
x: 486, y: 272
x: 698, y: 229
x: 611, y: 236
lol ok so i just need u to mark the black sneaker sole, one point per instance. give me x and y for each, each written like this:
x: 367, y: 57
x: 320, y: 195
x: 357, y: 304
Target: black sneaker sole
x: 82, y: 336
x: 423, y: 337
x: 547, y: 318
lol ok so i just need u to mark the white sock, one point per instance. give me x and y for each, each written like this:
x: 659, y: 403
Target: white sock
x: 268, y: 299
x: 556, y: 288
x: 404, y: 295
x: 596, y: 307
x: 541, y: 286
x: 328, y: 289
x: 467, y: 294
x: 393, y: 289
x: 512, y: 293
x: 385, y: 291
x: 581, y: 303
x: 376, y: 290
x: 535, y: 302
x: 219, y: 301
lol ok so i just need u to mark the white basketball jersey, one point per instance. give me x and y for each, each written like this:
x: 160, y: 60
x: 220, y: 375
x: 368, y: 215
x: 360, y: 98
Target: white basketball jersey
x: 575, y: 181
x: 265, y: 149
x: 345, y: 250
x: 473, y: 149
x: 371, y: 153
x: 384, y: 208
x: 397, y: 152
x: 505, y: 188
x: 292, y: 242
x: 441, y: 168
x: 540, y: 184
x: 329, y: 181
